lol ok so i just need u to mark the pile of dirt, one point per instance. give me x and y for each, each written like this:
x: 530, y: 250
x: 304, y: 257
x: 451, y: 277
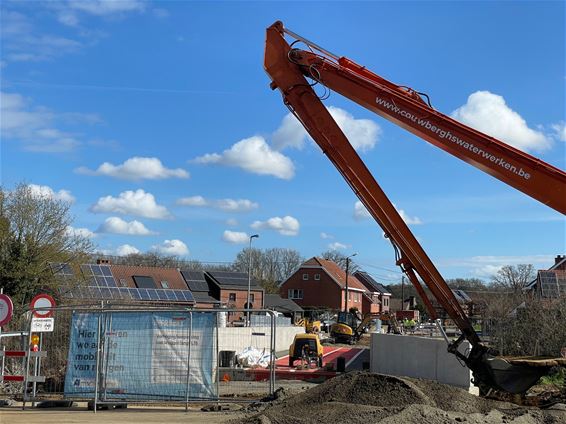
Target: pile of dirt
x: 362, y: 397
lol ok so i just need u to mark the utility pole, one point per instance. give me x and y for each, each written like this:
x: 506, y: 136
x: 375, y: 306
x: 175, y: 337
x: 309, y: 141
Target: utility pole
x: 403, y: 293
x: 347, y: 267
x: 249, y: 278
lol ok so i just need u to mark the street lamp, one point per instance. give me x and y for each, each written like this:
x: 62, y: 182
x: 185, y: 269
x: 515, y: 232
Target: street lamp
x: 347, y: 267
x: 250, y: 276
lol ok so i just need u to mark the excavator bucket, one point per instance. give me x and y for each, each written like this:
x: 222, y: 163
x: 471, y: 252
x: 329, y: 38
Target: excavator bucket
x: 510, y: 374
x: 510, y: 377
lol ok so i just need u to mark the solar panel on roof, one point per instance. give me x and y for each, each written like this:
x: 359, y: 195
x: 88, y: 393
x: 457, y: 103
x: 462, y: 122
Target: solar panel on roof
x: 549, y: 285
x: 106, y: 271
x: 144, y: 295
x: 134, y: 293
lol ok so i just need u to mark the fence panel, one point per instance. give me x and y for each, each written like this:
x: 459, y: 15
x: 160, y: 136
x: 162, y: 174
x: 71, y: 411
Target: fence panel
x: 129, y: 354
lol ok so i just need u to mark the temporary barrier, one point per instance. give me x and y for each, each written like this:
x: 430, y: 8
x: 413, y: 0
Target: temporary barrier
x: 125, y: 354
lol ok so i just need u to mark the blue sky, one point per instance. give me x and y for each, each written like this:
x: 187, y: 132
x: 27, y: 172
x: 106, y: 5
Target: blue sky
x: 156, y: 120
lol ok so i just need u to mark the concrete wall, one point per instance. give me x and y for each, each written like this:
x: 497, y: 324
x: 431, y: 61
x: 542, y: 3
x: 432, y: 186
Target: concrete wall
x: 238, y: 338
x: 418, y: 357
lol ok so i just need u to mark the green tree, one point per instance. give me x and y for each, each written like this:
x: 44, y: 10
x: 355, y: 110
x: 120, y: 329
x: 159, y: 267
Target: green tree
x: 35, y: 231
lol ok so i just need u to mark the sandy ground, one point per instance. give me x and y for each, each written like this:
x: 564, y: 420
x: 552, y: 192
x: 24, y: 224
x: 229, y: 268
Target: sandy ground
x: 135, y: 415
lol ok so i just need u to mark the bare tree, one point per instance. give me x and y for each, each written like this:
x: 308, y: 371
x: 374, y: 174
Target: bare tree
x: 513, y: 278
x: 34, y: 232
x: 520, y: 325
x: 472, y: 284
x: 154, y: 259
x: 270, y: 266
x: 340, y: 259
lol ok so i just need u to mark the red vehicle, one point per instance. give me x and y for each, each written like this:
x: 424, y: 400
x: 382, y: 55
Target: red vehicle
x: 289, y: 68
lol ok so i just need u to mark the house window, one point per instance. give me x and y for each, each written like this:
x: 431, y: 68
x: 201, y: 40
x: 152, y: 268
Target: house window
x: 144, y: 282
x: 305, y: 277
x: 295, y: 293
x: 317, y: 277
x: 252, y: 298
x: 165, y: 284
x: 232, y: 297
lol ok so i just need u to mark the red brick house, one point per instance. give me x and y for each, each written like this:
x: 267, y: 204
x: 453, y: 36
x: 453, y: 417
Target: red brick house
x: 321, y: 284
x: 212, y: 288
x: 550, y: 283
x: 378, y: 293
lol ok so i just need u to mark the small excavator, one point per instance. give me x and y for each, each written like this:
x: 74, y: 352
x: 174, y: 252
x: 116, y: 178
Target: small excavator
x: 348, y: 328
x: 295, y: 71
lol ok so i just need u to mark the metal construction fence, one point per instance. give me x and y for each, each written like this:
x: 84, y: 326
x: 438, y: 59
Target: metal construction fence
x: 125, y: 354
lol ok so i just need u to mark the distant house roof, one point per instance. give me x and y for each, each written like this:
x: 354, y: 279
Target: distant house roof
x: 336, y: 273
x: 555, y: 276
x: 196, y: 281
x: 172, y: 277
x: 279, y: 304
x: 461, y: 296
x: 200, y: 286
x: 232, y: 280
x: 120, y: 282
x: 372, y: 285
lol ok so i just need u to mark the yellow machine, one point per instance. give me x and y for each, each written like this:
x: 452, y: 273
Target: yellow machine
x: 306, y: 347
x: 311, y: 326
x: 348, y: 328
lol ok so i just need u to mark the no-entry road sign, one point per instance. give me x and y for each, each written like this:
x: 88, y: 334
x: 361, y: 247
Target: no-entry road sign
x: 6, y: 309
x: 42, y: 301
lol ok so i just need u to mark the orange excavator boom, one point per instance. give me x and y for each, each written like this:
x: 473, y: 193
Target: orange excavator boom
x: 288, y: 69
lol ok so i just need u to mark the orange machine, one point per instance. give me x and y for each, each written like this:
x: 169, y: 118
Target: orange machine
x: 288, y: 68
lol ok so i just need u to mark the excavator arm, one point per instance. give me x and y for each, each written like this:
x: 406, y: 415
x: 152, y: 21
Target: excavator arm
x: 288, y: 69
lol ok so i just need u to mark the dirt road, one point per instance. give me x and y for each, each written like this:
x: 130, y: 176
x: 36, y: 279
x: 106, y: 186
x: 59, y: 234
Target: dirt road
x: 137, y: 415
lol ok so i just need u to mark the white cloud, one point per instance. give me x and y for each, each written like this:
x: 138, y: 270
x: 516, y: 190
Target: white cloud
x: 107, y: 7
x: 287, y: 226
x: 130, y: 202
x: 230, y: 205
x: 126, y: 249
x: 337, y: 246
x: 231, y: 222
x: 560, y: 130
x: 487, y: 266
x: 172, y: 247
x: 116, y: 225
x: 46, y: 191
x: 193, y: 201
x: 21, y: 41
x: 488, y: 112
x: 240, y: 205
x: 35, y: 126
x: 135, y: 169
x: 361, y: 213
x: 414, y: 220
x: 235, y: 237
x: 253, y: 155
x: 80, y: 232
x: 326, y: 236
x: 363, y: 134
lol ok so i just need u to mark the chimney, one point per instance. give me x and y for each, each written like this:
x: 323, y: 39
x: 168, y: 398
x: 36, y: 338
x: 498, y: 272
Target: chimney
x: 558, y: 259
x: 103, y: 261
